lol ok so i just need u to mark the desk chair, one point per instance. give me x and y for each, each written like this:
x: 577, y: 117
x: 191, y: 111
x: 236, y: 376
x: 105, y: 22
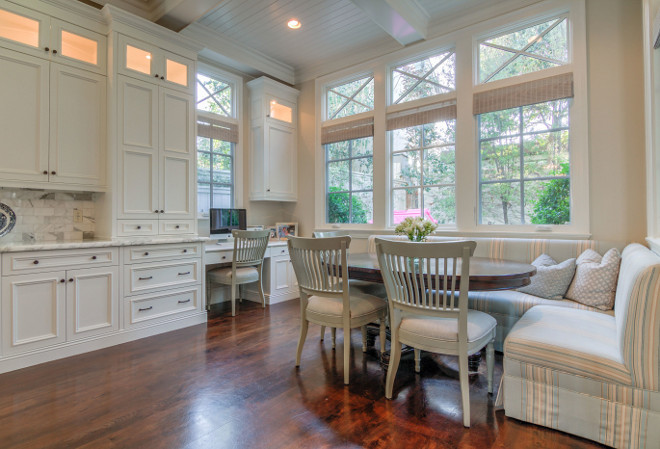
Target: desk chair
x: 326, y: 302
x: 426, y: 311
x: 246, y: 266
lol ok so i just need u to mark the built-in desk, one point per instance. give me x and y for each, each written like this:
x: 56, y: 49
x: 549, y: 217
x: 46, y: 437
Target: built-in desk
x: 279, y: 280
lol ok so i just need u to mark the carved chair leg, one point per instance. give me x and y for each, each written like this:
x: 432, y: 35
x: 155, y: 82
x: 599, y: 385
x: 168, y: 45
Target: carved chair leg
x: 364, y: 338
x: 333, y: 331
x: 322, y: 332
x: 490, y: 359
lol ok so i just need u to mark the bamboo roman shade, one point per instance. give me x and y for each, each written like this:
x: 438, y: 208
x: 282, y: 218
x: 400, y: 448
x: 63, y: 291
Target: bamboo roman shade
x: 217, y: 129
x: 547, y: 89
x: 355, y: 129
x: 421, y: 116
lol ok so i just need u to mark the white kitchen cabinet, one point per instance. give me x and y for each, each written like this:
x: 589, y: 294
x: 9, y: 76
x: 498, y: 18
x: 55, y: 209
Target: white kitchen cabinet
x: 157, y: 155
x: 92, y: 301
x: 273, y: 143
x: 148, y: 62
x: 33, y: 311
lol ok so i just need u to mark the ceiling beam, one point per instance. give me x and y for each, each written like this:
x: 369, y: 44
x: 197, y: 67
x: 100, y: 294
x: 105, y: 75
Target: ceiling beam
x: 178, y: 14
x: 404, y: 20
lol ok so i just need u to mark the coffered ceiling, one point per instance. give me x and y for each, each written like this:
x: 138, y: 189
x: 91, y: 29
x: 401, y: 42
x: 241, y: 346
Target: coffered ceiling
x: 252, y: 36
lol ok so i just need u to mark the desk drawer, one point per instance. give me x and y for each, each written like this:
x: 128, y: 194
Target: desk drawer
x: 279, y: 251
x: 147, y: 277
x: 150, y: 253
x: 149, y: 309
x: 41, y: 261
x: 216, y: 257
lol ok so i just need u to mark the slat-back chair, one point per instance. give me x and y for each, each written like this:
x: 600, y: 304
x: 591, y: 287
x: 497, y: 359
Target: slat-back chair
x: 427, y: 287
x: 324, y: 301
x: 246, y: 266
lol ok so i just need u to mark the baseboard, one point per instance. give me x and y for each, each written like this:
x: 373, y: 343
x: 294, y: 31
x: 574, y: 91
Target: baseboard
x: 69, y: 349
x: 253, y: 296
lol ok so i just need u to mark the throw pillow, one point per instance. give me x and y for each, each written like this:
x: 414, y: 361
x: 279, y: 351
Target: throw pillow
x: 551, y: 279
x: 595, y: 279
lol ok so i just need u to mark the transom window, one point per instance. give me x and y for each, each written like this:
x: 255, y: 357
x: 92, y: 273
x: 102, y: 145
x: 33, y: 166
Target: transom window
x: 350, y: 184
x: 215, y: 96
x: 424, y: 172
x: 432, y: 75
x: 524, y: 165
x: 350, y: 98
x: 530, y: 49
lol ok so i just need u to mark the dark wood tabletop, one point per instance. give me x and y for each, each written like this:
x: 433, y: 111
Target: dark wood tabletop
x: 485, y: 274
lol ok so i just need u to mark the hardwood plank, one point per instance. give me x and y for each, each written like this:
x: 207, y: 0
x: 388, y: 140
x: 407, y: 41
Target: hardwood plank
x: 232, y: 384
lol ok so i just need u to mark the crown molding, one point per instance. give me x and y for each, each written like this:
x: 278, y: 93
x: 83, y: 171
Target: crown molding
x: 226, y: 51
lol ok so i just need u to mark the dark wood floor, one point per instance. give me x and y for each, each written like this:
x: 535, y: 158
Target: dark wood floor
x: 233, y: 384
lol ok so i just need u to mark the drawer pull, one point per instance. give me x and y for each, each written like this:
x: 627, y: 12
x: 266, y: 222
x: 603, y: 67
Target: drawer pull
x: 93, y: 257
x: 183, y: 302
x: 183, y: 274
x: 146, y: 254
x: 185, y: 250
x: 224, y: 257
x: 138, y: 227
x: 36, y: 262
x: 145, y: 279
x: 283, y: 251
x: 145, y: 309
x: 177, y: 227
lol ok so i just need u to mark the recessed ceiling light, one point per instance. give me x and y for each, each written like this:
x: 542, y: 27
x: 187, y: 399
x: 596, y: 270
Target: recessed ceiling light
x: 294, y: 24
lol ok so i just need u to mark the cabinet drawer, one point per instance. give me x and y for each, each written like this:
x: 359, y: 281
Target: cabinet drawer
x: 137, y: 227
x: 175, y: 227
x: 146, y: 277
x: 279, y: 251
x: 149, y: 253
x: 41, y: 261
x: 159, y: 307
x: 216, y: 257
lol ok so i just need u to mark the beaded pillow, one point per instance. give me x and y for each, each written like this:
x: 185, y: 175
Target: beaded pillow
x: 551, y: 279
x: 595, y: 279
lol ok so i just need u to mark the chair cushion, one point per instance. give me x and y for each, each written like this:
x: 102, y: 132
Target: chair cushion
x: 243, y: 275
x: 446, y: 329
x: 361, y: 304
x: 578, y: 342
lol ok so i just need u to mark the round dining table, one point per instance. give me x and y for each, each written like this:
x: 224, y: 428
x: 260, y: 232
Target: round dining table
x: 485, y: 273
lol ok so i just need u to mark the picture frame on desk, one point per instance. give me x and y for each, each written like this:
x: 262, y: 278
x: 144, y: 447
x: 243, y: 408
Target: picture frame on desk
x: 286, y: 229
x: 273, y: 233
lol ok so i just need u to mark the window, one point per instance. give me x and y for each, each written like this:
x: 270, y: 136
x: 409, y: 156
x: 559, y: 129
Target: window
x: 528, y: 50
x: 424, y: 172
x: 350, y: 184
x: 217, y: 135
x: 524, y: 165
x: 350, y: 98
x: 423, y: 78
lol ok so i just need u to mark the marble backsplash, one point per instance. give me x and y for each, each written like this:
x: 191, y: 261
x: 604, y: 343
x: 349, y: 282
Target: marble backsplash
x: 48, y: 216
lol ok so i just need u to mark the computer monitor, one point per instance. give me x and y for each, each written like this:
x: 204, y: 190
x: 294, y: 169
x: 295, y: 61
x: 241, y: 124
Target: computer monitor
x: 223, y: 221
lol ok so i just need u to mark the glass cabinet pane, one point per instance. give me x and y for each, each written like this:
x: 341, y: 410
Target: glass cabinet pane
x: 176, y: 72
x: 78, y: 47
x: 19, y: 28
x: 281, y: 112
x: 138, y: 59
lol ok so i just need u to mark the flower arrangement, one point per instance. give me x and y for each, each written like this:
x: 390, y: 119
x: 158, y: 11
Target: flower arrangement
x: 415, y: 228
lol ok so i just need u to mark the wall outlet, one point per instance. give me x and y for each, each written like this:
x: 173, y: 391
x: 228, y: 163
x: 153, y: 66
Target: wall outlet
x: 77, y: 216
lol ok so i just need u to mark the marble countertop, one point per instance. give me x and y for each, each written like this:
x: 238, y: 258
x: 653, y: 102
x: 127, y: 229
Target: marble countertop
x: 13, y: 247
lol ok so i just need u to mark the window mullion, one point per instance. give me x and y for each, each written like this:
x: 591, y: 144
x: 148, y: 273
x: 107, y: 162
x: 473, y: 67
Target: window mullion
x: 522, y: 166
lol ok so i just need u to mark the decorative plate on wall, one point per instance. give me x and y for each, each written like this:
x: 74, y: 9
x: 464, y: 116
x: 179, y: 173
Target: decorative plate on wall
x: 7, y: 219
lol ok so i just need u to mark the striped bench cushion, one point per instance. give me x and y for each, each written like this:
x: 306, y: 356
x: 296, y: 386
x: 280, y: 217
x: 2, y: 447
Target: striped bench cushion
x: 578, y: 342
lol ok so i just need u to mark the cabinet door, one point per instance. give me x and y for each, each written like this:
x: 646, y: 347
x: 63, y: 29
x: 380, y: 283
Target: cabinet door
x: 179, y: 72
x: 177, y: 155
x: 78, y: 46
x: 280, y: 278
x: 23, y: 117
x: 138, y: 59
x: 92, y: 297
x: 24, y: 30
x: 77, y: 126
x: 138, y: 145
x: 282, y: 171
x: 33, y: 311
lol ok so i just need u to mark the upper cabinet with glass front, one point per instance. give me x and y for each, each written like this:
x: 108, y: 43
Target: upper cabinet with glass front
x: 138, y: 59
x: 32, y: 32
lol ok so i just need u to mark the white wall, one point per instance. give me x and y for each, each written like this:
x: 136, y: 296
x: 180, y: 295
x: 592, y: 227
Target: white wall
x: 616, y: 127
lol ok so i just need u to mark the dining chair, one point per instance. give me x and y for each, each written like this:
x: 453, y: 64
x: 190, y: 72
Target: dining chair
x: 326, y: 302
x: 246, y: 266
x: 428, y: 313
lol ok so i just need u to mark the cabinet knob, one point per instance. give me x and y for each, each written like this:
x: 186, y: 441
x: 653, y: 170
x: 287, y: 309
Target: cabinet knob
x: 46, y: 49
x: 224, y: 257
x: 36, y: 262
x: 156, y: 211
x: 177, y: 227
x: 138, y: 227
x: 156, y: 75
x: 70, y: 279
x: 162, y: 211
x: 267, y: 190
x: 53, y: 172
x: 185, y: 250
x: 45, y: 172
x: 54, y: 51
x: 62, y: 281
x: 93, y: 257
x: 162, y: 77
x: 146, y: 254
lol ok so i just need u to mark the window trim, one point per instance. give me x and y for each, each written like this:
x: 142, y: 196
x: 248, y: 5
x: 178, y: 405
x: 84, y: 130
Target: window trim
x: 464, y: 41
x: 211, y: 70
